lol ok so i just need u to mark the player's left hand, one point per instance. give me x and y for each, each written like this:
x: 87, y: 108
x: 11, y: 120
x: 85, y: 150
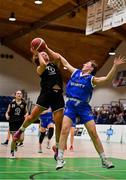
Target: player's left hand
x: 119, y: 60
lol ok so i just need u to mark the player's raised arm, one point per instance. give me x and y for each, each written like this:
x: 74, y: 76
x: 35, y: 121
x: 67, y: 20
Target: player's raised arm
x: 39, y: 61
x: 117, y: 61
x: 54, y: 55
x: 65, y: 63
x: 58, y: 58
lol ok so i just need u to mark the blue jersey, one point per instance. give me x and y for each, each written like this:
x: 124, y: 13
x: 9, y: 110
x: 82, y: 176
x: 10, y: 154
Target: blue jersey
x: 79, y: 92
x: 80, y: 86
x: 46, y: 119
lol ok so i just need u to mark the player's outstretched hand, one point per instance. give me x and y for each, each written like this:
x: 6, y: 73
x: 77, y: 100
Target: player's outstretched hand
x: 119, y: 60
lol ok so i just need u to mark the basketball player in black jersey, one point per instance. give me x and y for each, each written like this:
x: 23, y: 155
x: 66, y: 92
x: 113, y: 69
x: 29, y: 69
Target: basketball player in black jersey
x: 15, y: 114
x: 51, y: 92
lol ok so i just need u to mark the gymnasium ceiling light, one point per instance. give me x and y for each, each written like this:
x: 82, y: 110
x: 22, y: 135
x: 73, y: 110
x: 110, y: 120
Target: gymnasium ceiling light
x: 38, y: 2
x: 12, y: 17
x: 112, y: 52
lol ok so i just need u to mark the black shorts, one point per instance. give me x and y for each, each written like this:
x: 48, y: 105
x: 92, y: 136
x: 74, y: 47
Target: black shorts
x: 14, y: 125
x: 53, y: 99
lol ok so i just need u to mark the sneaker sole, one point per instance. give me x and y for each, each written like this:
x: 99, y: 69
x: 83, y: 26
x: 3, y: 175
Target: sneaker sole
x: 4, y: 144
x: 57, y: 168
x: 112, y: 166
x: 12, y: 157
x: 40, y: 152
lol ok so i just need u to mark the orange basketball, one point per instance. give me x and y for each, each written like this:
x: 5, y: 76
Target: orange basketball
x: 38, y: 44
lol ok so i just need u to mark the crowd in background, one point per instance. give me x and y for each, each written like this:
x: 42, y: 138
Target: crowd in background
x: 113, y: 114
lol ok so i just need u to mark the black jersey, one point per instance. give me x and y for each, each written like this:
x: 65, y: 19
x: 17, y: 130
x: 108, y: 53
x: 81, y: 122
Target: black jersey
x: 17, y: 111
x: 50, y: 77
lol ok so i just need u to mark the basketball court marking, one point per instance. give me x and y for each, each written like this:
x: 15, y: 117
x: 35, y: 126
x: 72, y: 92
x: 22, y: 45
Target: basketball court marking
x: 72, y: 171
x: 44, y: 168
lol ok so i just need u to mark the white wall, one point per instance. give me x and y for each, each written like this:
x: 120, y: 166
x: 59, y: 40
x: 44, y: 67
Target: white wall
x: 17, y: 73
x: 104, y: 94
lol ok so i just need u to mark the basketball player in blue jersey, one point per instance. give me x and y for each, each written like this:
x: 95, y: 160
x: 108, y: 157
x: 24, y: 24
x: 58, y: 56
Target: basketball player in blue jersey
x: 46, y: 122
x: 51, y: 85
x: 79, y: 92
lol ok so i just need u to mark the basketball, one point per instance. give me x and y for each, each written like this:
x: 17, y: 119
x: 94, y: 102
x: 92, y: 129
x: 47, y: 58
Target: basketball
x: 38, y: 44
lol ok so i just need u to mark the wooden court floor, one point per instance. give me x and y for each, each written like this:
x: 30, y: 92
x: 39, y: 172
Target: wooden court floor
x: 82, y: 163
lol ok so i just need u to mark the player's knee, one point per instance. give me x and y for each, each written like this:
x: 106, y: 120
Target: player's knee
x: 41, y: 137
x: 65, y: 130
x: 50, y: 132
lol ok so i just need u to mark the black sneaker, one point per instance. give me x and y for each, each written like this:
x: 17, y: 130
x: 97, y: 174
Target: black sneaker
x: 5, y: 143
x: 21, y: 144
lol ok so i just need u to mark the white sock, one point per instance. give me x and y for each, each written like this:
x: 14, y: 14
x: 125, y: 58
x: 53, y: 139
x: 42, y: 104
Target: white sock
x: 60, y: 154
x: 102, y: 156
x: 22, y: 128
